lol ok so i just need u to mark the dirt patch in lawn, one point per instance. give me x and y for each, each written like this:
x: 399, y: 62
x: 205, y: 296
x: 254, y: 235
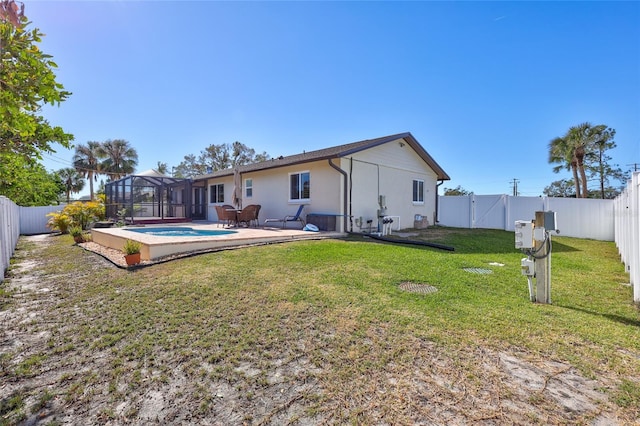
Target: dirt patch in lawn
x: 305, y: 371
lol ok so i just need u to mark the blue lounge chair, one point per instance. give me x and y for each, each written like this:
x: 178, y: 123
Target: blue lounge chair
x: 289, y: 218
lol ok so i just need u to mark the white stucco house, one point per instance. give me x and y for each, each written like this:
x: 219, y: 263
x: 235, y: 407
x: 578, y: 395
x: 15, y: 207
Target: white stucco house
x: 346, y: 185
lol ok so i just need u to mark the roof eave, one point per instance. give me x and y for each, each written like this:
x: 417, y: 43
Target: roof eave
x: 277, y: 163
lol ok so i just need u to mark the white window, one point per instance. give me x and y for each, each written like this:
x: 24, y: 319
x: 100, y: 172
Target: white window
x: 299, y: 186
x: 216, y: 193
x: 248, y: 188
x: 418, y: 191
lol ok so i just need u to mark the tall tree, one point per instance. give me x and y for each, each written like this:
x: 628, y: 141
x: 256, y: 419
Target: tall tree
x: 599, y: 165
x: 27, y: 82
x: 72, y: 180
x: 162, y: 168
x: 583, y: 150
x: 120, y: 159
x: 216, y: 157
x: 189, y: 167
x: 86, y: 161
x: 27, y: 183
x: 561, y: 151
x: 580, y: 140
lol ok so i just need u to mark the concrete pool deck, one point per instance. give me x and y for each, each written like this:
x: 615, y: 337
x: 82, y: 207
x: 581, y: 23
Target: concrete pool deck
x: 156, y: 247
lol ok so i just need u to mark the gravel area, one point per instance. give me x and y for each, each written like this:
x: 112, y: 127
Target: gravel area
x: 117, y: 257
x: 114, y: 256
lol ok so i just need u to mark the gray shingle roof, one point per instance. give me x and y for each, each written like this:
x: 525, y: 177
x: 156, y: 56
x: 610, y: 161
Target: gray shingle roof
x: 335, y: 152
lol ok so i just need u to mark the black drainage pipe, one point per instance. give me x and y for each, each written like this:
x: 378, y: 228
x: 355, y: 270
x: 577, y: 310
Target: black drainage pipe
x: 411, y: 242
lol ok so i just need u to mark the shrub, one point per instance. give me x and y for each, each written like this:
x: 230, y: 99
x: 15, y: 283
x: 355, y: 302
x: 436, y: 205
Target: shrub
x: 131, y: 247
x: 75, y: 231
x: 83, y: 214
x: 122, y: 217
x: 59, y: 221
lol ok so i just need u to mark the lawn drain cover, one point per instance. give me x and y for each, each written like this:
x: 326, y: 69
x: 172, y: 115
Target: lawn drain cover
x: 478, y: 270
x: 417, y: 288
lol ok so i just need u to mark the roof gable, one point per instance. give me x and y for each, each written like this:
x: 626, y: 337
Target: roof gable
x: 336, y: 152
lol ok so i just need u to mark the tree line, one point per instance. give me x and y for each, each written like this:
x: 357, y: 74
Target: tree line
x: 218, y: 157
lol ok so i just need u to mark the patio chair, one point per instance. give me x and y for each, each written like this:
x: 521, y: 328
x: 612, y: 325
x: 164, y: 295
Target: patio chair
x: 249, y: 214
x: 226, y: 214
x: 290, y: 218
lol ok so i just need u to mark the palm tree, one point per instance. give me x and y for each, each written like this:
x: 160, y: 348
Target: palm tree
x: 561, y: 151
x: 72, y: 181
x: 570, y: 152
x: 162, y: 168
x: 581, y: 141
x: 86, y: 161
x: 120, y: 158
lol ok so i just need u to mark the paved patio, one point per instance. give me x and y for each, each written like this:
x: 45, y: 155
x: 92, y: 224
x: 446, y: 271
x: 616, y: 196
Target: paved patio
x: 156, y: 247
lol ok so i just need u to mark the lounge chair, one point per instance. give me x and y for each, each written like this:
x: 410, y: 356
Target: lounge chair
x: 290, y: 218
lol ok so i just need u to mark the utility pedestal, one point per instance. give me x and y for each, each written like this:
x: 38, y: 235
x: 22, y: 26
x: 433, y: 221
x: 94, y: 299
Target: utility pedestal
x: 542, y: 240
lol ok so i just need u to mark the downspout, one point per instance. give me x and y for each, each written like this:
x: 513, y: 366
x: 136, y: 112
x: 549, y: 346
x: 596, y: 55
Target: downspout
x: 437, y: 204
x: 345, y: 188
x: 351, y: 194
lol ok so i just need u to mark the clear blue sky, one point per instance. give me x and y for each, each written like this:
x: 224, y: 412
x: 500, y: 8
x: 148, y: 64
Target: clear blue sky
x: 483, y: 86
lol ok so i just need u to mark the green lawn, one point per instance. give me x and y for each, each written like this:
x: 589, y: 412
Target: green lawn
x: 318, y: 332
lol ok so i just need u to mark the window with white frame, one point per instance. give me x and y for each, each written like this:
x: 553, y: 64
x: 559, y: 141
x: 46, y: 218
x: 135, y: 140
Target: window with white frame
x: 216, y: 193
x: 248, y: 188
x: 418, y: 191
x: 299, y: 186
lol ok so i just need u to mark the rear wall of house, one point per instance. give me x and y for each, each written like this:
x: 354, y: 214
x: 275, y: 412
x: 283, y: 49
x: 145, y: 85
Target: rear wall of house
x: 271, y: 191
x: 390, y: 170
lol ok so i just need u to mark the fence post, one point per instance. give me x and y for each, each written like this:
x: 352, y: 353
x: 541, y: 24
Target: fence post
x: 472, y: 211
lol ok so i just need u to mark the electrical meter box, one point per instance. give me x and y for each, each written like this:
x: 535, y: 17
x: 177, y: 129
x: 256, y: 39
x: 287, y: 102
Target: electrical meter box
x: 528, y: 267
x: 550, y: 221
x: 524, y: 234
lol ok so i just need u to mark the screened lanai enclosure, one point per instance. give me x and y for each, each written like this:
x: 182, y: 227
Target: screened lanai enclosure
x: 149, y: 197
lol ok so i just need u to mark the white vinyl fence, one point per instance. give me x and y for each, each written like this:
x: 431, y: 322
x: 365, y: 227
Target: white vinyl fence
x: 33, y: 220
x: 17, y: 220
x: 580, y: 218
x: 627, y: 226
x: 9, y: 232
x: 608, y: 220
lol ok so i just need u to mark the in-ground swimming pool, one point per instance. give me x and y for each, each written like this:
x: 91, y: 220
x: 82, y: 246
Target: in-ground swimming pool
x: 180, y: 231
x: 200, y: 238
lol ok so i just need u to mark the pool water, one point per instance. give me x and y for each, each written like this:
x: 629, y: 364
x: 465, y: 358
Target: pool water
x: 180, y: 231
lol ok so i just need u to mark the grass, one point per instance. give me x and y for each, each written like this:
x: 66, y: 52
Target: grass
x: 323, y: 328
